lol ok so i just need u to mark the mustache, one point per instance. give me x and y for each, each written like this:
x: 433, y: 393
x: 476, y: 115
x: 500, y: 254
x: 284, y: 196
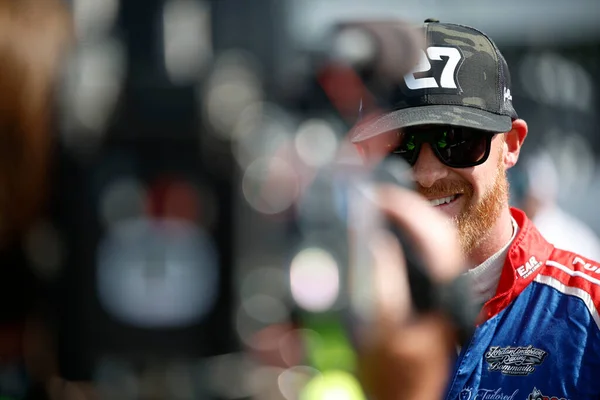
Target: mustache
x: 445, y: 188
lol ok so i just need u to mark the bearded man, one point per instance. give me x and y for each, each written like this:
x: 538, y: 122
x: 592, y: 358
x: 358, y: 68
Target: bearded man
x: 453, y: 121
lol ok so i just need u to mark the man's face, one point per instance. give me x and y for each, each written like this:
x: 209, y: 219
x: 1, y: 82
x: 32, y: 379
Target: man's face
x: 473, y: 198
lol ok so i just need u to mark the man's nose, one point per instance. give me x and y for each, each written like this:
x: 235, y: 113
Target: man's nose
x: 428, y: 169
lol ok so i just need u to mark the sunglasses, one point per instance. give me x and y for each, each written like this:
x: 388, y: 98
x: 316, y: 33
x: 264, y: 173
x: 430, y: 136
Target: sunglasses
x: 454, y: 146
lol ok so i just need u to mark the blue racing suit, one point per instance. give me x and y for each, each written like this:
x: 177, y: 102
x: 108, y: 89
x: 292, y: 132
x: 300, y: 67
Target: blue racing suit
x: 539, y: 336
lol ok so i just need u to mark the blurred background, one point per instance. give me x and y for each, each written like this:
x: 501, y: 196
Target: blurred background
x: 552, y: 49
x: 164, y: 249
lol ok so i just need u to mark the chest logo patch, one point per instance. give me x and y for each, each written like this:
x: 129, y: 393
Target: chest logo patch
x: 514, y: 361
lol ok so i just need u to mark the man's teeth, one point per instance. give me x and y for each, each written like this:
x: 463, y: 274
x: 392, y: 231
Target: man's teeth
x: 437, y: 202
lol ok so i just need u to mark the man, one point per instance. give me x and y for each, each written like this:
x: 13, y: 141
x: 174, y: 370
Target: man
x: 454, y: 122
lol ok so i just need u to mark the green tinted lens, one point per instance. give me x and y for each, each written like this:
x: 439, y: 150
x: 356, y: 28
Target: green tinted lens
x: 442, y: 142
x: 410, y: 144
x: 461, y: 147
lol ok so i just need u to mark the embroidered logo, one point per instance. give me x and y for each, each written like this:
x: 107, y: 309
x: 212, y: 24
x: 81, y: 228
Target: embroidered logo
x: 507, y: 95
x: 465, y: 394
x: 514, y: 361
x: 486, y: 394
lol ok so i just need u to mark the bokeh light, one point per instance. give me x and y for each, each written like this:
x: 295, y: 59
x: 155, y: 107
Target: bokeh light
x: 354, y: 46
x: 314, y: 279
x: 316, y: 142
x: 91, y: 86
x: 246, y: 329
x: 232, y: 86
x: 187, y: 39
x: 263, y: 130
x: 333, y: 385
x: 270, y: 185
x: 291, y: 346
x: 264, y: 280
x: 94, y: 18
x: 263, y: 383
x: 266, y: 309
x: 293, y: 380
x: 157, y: 273
x: 262, y: 296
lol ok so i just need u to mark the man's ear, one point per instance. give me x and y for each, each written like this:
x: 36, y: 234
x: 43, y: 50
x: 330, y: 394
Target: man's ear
x: 513, y: 140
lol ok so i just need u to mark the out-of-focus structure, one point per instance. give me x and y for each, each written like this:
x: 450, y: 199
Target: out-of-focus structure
x: 172, y: 114
x: 535, y: 189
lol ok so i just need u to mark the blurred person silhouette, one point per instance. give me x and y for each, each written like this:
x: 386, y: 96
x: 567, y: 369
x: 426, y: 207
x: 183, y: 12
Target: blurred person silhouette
x: 404, y: 355
x: 536, y: 189
x: 33, y: 37
x: 453, y: 121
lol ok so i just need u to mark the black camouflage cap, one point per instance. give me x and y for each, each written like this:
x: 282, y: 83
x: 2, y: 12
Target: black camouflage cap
x: 461, y: 79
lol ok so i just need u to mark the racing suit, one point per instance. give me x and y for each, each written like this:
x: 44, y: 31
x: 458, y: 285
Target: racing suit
x: 539, y: 336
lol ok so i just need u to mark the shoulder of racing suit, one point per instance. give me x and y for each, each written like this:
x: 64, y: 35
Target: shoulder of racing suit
x: 531, y: 258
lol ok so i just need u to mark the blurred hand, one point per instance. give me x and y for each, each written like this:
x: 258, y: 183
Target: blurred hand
x: 407, y: 356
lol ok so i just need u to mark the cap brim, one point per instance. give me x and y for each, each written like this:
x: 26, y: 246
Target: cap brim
x: 432, y: 115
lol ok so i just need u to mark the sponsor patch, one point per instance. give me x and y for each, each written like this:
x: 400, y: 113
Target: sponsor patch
x: 514, y: 361
x: 529, y: 267
x: 538, y: 395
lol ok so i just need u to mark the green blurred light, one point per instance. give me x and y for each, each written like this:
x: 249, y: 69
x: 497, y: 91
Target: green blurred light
x: 333, y: 385
x: 329, y: 348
